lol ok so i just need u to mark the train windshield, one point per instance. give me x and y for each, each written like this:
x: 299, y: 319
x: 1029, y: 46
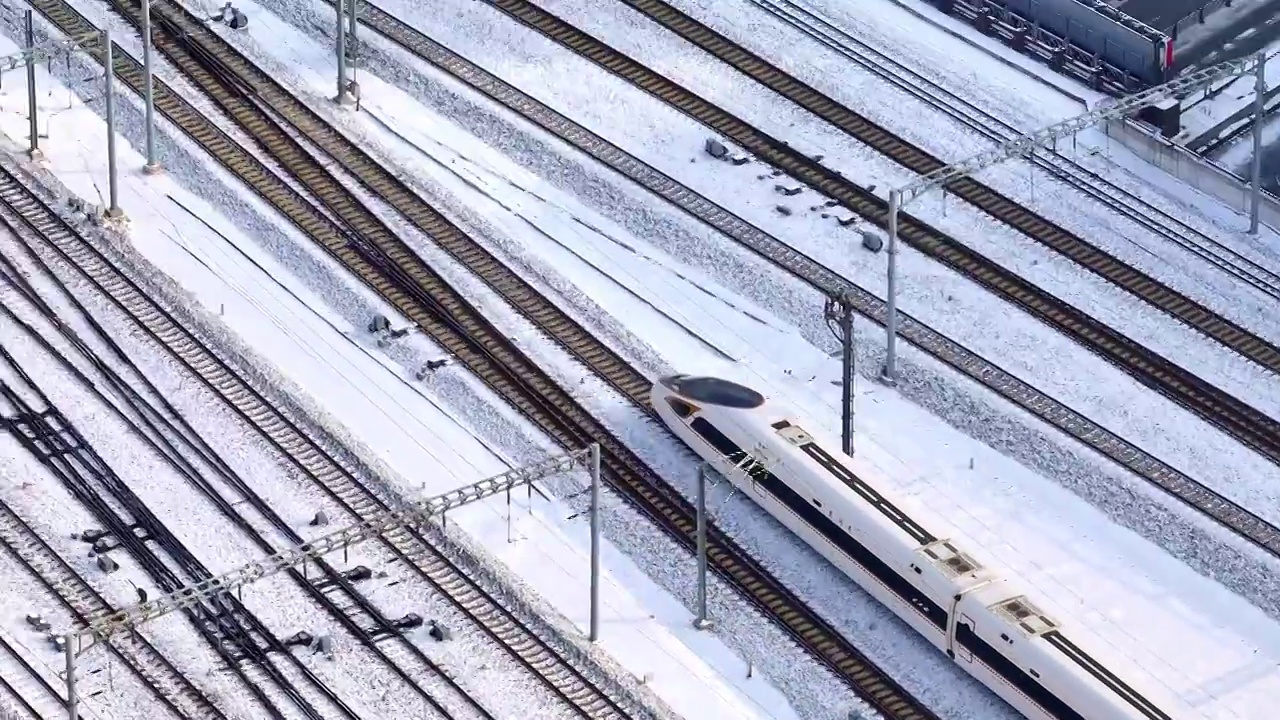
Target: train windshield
x: 715, y: 391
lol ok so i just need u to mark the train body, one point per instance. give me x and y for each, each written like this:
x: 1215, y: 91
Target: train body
x: 1085, y: 39
x: 976, y: 614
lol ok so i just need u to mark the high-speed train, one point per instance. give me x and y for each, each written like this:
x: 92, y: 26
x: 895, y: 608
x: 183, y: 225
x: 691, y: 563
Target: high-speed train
x: 1039, y: 664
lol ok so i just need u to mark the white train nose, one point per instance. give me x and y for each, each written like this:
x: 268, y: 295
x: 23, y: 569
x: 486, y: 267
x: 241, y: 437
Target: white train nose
x: 661, y: 395
x: 670, y: 381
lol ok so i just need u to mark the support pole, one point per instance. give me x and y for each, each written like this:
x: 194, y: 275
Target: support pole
x: 1031, y: 172
x: 153, y: 165
x: 70, y: 651
x: 342, y: 98
x: 702, y: 622
x: 889, y: 375
x: 1259, y: 90
x: 846, y: 380
x: 353, y: 23
x: 595, y: 542
x: 34, y: 152
x: 109, y: 63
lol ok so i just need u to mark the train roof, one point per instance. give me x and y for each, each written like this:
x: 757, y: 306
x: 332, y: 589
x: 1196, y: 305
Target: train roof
x: 1128, y: 599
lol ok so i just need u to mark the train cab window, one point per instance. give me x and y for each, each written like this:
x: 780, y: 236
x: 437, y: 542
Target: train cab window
x: 681, y: 408
x: 715, y: 391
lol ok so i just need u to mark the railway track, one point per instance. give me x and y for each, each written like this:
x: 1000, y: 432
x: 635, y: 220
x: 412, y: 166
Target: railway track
x: 148, y: 414
x: 1097, y: 187
x: 59, y: 242
x: 247, y: 646
x: 153, y: 669
x: 830, y: 283
x: 985, y: 198
x: 392, y: 269
x: 1216, y: 506
x: 1239, y: 419
x: 15, y: 687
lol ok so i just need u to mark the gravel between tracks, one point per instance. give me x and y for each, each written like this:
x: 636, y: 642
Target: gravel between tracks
x: 965, y: 406
x: 1132, y: 503
x: 205, y: 179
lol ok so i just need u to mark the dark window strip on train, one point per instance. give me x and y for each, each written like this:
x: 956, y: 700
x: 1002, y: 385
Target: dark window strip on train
x: 826, y: 526
x: 865, y: 491
x: 868, y: 493
x: 1055, y: 706
x: 1105, y: 676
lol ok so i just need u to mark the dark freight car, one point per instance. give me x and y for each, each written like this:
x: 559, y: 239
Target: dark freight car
x: 1087, y: 39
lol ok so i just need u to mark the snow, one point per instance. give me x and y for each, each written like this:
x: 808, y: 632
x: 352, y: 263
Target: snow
x: 417, y: 438
x: 421, y: 430
x: 1134, y: 412
x: 957, y: 51
x: 1203, y: 111
x: 275, y: 601
x: 1206, y: 645
x: 953, y: 54
x: 993, y: 110
x: 657, y: 48
x: 623, y: 266
x: 1221, y: 18
x: 53, y: 513
x: 737, y: 332
x: 955, y: 46
x: 924, y: 34
x: 1110, y: 304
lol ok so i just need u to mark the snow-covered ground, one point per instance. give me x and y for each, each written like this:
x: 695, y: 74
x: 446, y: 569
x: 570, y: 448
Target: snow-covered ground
x: 53, y: 513
x: 964, y: 65
x: 986, y: 68
x: 647, y: 630
x: 314, y: 346
x: 1196, y: 36
x: 998, y: 76
x: 1205, y: 110
x: 279, y: 603
x: 799, y: 54
x: 1135, y: 414
x: 994, y: 77
x: 736, y: 329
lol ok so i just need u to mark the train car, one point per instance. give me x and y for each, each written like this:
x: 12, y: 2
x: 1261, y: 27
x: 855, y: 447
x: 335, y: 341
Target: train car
x: 1028, y: 655
x: 1085, y: 39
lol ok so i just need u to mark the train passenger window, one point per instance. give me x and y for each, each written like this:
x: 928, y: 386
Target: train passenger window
x: 717, y: 439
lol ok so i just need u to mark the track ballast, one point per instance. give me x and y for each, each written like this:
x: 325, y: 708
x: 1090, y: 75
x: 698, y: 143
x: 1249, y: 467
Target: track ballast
x: 1237, y: 418
x: 985, y: 198
x: 145, y: 410
x: 1194, y: 493
x: 153, y: 669
x: 384, y: 263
